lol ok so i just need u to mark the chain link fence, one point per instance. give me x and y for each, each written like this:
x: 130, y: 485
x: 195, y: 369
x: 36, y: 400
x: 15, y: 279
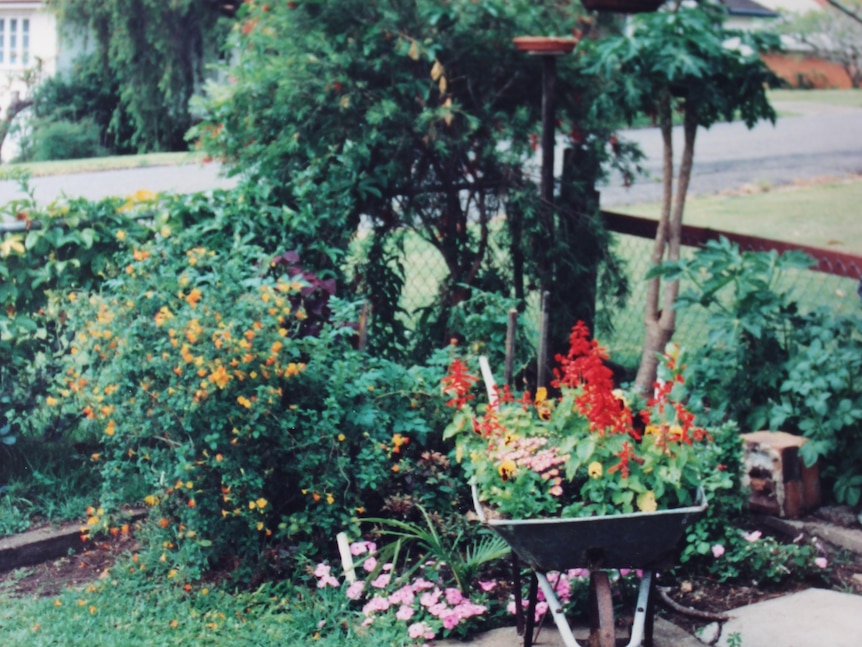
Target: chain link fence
x: 833, y: 282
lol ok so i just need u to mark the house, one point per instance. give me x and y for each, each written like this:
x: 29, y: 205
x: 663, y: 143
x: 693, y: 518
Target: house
x: 797, y: 65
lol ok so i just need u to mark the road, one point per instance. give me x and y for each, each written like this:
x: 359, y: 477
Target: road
x: 816, y: 141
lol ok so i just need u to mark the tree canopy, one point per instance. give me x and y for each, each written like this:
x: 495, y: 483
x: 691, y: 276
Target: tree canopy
x: 392, y: 113
x: 155, y: 51
x: 686, y: 61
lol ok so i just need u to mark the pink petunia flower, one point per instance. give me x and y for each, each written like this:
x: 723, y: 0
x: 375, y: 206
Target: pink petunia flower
x: 404, y: 613
x: 354, y: 591
x: 821, y: 562
x: 717, y: 550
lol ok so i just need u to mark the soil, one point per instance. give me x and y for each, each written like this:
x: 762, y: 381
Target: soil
x: 52, y: 577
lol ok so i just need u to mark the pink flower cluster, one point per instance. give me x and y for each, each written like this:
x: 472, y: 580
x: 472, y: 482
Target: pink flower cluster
x: 442, y: 608
x: 530, y: 453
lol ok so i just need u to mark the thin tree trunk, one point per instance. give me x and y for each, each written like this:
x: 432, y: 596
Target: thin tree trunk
x: 661, y: 324
x: 652, y: 314
x: 16, y: 105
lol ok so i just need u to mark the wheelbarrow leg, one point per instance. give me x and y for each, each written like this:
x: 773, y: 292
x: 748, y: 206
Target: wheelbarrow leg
x: 643, y: 619
x: 556, y: 610
x: 531, y: 610
x: 602, y: 633
x: 516, y: 580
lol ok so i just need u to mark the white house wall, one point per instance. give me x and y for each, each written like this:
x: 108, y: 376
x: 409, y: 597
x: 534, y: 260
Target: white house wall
x: 30, y: 48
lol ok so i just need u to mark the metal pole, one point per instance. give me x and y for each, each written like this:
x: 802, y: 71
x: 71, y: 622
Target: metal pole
x: 549, y: 127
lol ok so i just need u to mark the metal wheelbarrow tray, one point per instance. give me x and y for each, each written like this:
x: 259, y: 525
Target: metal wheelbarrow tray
x: 643, y: 540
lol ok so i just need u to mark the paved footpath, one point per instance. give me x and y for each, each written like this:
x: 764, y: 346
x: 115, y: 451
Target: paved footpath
x: 812, y: 618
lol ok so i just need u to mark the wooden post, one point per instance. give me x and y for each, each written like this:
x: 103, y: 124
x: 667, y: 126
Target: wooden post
x: 542, y: 359
x: 511, y: 324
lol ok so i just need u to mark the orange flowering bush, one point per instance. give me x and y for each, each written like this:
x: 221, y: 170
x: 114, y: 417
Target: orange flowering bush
x: 227, y: 400
x: 586, y: 451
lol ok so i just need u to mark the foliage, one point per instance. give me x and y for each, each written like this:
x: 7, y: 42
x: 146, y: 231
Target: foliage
x: 154, y: 53
x: 60, y: 140
x: 480, y: 323
x: 126, y: 607
x: 759, y: 559
x: 751, y: 319
x: 88, y: 94
x: 585, y: 453
x: 829, y: 34
x: 218, y: 382
x: 416, y: 115
x: 768, y: 365
x: 431, y: 540
x: 684, y: 60
x: 820, y: 397
x: 44, y: 481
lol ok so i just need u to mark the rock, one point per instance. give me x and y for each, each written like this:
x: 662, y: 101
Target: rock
x: 710, y: 633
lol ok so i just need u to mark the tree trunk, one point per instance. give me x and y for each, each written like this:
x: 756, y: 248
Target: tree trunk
x: 16, y: 105
x: 648, y: 364
x: 661, y: 323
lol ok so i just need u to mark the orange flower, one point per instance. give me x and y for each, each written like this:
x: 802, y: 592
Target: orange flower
x: 194, y: 297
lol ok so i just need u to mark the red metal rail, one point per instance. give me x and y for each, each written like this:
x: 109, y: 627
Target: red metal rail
x: 827, y: 261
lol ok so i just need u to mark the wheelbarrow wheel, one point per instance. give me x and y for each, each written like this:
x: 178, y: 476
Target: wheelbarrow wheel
x: 602, y: 633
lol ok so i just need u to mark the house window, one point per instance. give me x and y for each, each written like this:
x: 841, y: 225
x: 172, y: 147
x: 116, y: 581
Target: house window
x: 25, y: 41
x: 15, y: 41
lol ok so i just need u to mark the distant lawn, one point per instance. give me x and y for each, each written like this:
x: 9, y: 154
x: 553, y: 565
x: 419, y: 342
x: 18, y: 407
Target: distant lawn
x: 117, y: 162
x: 850, y: 97
x: 821, y: 215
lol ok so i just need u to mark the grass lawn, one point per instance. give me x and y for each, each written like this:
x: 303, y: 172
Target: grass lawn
x: 816, y: 214
x: 117, y: 162
x: 850, y: 97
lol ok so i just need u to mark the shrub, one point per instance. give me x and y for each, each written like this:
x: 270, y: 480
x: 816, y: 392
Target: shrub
x: 60, y: 140
x: 253, y: 434
x: 768, y: 365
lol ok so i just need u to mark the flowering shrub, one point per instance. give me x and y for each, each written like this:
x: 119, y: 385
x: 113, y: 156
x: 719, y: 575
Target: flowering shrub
x: 584, y: 452
x: 419, y: 601
x: 249, y: 432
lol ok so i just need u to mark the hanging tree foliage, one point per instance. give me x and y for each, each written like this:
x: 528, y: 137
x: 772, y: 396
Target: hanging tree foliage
x: 156, y: 51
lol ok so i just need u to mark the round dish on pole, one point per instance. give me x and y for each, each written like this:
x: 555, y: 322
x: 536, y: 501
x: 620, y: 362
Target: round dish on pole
x: 547, y: 45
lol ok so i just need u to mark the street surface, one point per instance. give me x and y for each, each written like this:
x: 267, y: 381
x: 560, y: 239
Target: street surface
x: 817, y: 141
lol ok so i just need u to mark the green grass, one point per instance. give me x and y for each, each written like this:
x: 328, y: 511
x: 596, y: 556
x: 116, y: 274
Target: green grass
x: 819, y: 215
x: 850, y: 97
x: 117, y: 162
x: 122, y: 610
x: 44, y: 482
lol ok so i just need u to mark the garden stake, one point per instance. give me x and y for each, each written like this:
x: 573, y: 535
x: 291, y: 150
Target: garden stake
x: 510, y: 346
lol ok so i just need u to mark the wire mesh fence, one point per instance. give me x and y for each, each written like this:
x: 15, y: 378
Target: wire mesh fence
x: 833, y: 282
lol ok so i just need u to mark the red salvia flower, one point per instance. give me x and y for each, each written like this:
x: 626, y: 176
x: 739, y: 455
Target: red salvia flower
x: 457, y: 383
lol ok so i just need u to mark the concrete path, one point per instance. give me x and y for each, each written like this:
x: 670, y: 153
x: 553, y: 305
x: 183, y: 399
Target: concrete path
x: 812, y: 618
x: 665, y: 634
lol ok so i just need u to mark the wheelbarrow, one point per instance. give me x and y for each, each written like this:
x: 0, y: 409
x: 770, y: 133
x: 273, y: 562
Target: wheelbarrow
x: 644, y: 541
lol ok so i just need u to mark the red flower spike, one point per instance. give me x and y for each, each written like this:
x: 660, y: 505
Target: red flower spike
x: 457, y: 383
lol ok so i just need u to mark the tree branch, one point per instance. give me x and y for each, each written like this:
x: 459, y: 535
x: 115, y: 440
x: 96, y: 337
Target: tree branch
x: 845, y: 10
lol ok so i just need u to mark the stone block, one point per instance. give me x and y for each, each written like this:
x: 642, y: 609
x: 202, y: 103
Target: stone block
x: 780, y: 483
